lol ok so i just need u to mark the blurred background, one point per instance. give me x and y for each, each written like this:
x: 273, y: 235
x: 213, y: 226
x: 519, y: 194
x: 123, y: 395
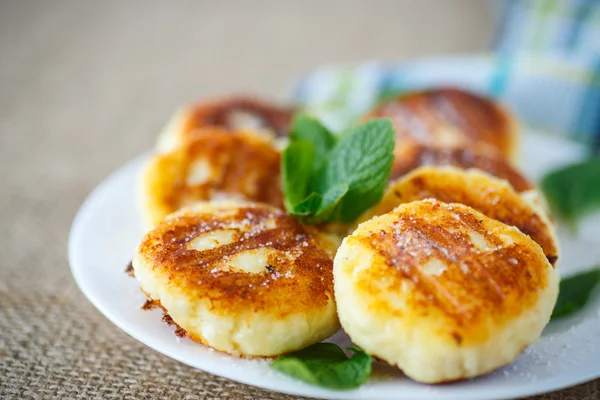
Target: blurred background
x: 115, y: 71
x: 86, y: 86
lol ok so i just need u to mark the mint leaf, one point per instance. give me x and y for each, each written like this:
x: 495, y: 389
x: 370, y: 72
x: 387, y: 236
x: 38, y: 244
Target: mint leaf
x: 362, y: 159
x: 325, y: 364
x: 330, y: 200
x: 296, y: 172
x: 307, y: 206
x: 573, y: 191
x: 574, y: 293
x: 324, y: 180
x: 318, y: 209
x: 309, y: 129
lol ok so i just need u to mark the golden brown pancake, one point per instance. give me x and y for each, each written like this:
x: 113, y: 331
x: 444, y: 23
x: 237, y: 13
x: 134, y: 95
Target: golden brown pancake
x: 483, y: 157
x: 448, y: 117
x: 442, y: 291
x: 244, y: 278
x: 474, y: 188
x: 232, y: 113
x: 216, y: 163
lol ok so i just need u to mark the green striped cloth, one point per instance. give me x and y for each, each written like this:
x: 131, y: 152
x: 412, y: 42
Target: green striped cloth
x: 552, y: 94
x: 542, y: 26
x: 546, y: 69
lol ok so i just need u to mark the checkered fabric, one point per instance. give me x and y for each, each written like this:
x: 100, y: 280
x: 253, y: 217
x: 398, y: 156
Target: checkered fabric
x: 552, y: 94
x: 543, y: 26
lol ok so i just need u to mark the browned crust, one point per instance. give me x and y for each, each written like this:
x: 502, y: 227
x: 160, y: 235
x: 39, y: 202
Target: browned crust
x: 238, y: 157
x: 422, y: 116
x: 496, y: 201
x: 493, y: 286
x: 151, y: 304
x: 484, y: 158
x: 129, y: 270
x: 179, y: 331
x: 219, y: 112
x: 298, y: 279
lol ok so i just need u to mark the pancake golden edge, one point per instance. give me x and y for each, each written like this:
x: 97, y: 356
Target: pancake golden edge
x: 448, y: 116
x: 482, y: 156
x: 217, y: 163
x: 241, y: 277
x: 442, y: 291
x: 233, y: 113
x: 173, y: 135
x: 493, y: 197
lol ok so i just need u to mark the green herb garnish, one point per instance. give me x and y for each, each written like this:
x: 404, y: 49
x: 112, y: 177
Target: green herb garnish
x: 326, y: 364
x: 574, y: 191
x: 305, y: 128
x: 574, y: 293
x: 329, y: 179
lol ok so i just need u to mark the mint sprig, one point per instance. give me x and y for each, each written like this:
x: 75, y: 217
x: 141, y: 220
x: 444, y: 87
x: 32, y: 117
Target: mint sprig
x: 305, y: 128
x: 573, y: 191
x: 297, y: 171
x: 326, y: 364
x: 329, y: 179
x: 574, y: 292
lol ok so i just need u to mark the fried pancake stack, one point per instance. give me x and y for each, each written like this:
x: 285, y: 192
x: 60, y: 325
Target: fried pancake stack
x: 451, y: 275
x: 244, y: 278
x: 221, y: 257
x: 442, y: 291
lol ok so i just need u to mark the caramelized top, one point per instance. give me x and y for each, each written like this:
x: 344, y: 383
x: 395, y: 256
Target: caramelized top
x: 240, y: 113
x: 484, y: 158
x: 451, y: 265
x: 216, y: 163
x: 448, y: 116
x: 295, y: 273
x: 474, y: 189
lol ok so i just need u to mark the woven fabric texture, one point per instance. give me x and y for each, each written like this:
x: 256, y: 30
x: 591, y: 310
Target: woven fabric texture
x: 86, y: 86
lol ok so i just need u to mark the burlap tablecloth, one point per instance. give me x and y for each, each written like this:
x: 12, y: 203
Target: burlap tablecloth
x: 84, y: 87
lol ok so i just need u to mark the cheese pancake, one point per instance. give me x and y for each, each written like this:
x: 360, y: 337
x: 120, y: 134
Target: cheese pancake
x: 493, y: 197
x: 449, y: 117
x: 481, y: 156
x: 442, y: 291
x: 240, y: 277
x: 217, y: 163
x: 232, y: 113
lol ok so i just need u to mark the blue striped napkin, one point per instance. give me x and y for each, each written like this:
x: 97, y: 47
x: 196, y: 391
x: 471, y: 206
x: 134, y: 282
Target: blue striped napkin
x: 546, y: 68
x: 553, y: 94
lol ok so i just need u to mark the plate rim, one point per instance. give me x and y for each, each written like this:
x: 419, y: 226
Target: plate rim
x: 130, y: 166
x: 134, y: 165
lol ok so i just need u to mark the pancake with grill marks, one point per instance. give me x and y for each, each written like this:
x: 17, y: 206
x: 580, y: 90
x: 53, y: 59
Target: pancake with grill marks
x: 448, y: 117
x: 243, y: 278
x: 474, y: 188
x: 442, y: 291
x: 217, y: 163
x: 231, y: 113
x: 480, y: 156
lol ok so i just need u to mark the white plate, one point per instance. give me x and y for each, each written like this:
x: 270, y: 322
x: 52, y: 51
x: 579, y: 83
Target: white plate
x: 107, y: 230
